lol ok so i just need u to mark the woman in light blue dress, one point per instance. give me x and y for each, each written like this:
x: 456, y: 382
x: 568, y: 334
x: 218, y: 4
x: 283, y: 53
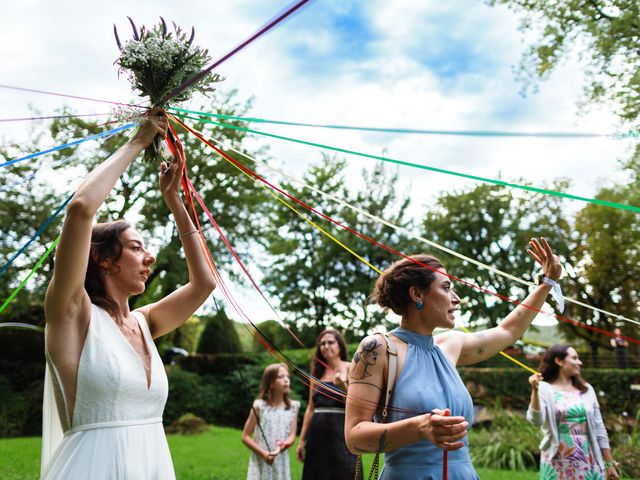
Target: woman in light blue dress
x: 430, y: 409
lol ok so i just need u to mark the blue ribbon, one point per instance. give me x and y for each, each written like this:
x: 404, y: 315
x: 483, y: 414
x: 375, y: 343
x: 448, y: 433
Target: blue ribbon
x: 54, y: 166
x: 36, y: 235
x: 67, y: 145
x: 55, y: 214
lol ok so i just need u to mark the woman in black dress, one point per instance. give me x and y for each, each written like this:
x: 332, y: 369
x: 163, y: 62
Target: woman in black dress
x: 322, y: 447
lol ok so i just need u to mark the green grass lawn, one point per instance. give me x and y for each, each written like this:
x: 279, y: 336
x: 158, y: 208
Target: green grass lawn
x: 217, y: 454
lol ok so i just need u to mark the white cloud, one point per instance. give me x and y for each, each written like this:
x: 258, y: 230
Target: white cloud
x: 68, y: 46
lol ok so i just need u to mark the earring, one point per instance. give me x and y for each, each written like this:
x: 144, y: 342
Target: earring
x: 419, y: 304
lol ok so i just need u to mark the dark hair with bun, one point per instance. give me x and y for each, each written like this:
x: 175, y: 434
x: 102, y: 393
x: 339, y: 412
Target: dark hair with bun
x: 105, y: 245
x: 392, y: 287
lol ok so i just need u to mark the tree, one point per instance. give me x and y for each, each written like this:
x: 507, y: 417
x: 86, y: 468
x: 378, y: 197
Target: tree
x: 493, y: 225
x: 599, y: 245
x: 26, y: 202
x: 606, y: 260
x: 218, y: 335
x: 317, y: 281
x: 379, y: 197
x: 604, y: 33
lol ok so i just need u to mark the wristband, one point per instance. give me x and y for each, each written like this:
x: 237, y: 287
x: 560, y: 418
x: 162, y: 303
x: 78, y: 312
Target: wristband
x: 186, y: 234
x: 556, y: 291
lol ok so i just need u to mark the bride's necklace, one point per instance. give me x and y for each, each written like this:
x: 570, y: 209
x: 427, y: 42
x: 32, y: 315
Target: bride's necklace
x: 126, y: 328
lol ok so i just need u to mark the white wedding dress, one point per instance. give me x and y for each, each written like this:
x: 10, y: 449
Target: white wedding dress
x: 116, y: 431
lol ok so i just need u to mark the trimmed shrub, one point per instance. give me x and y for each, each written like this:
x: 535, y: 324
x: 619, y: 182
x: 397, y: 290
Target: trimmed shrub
x: 220, y: 399
x: 221, y: 363
x: 277, y: 336
x: 219, y: 335
x: 187, y: 424
x: 21, y: 377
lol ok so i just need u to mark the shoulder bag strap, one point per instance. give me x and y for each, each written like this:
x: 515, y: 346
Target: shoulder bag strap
x: 392, y: 372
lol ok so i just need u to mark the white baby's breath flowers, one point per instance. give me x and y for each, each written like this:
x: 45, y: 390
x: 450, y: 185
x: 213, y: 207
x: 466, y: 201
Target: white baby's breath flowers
x: 157, y: 61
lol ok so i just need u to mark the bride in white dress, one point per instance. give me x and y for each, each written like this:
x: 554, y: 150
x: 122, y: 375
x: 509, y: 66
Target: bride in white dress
x: 103, y: 371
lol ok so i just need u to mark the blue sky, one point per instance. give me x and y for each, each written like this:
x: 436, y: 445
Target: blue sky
x: 427, y: 64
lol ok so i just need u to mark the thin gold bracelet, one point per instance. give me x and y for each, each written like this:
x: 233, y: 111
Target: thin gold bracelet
x: 192, y: 232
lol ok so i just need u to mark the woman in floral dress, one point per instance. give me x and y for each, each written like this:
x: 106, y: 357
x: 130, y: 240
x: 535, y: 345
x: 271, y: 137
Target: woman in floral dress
x: 575, y: 444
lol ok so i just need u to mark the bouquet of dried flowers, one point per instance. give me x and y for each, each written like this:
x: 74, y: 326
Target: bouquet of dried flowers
x: 157, y: 61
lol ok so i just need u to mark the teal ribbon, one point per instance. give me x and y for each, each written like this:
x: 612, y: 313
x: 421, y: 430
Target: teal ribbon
x: 502, y: 183
x: 465, y: 133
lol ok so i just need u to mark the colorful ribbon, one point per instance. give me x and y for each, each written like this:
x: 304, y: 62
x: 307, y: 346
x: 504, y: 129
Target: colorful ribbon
x: 51, y: 117
x: 415, y: 236
x: 68, y: 145
x: 371, y: 240
x: 32, y: 90
x: 502, y: 183
x: 464, y: 133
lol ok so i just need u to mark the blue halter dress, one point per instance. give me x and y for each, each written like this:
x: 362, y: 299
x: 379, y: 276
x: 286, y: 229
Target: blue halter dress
x: 428, y: 380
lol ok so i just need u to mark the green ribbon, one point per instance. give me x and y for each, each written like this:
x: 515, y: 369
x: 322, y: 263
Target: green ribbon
x: 502, y: 183
x: 33, y: 270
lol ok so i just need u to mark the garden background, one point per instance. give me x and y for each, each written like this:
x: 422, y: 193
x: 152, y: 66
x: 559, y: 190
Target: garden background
x: 315, y: 283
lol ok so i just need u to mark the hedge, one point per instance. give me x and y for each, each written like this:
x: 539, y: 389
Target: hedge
x: 511, y: 386
x: 220, y: 388
x: 222, y: 399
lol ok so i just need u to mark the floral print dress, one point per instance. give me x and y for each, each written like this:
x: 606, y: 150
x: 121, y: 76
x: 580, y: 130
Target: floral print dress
x: 575, y: 459
x: 276, y: 426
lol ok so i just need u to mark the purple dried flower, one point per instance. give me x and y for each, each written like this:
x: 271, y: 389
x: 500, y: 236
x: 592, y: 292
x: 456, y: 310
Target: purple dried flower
x: 164, y: 27
x: 135, y: 30
x: 115, y: 32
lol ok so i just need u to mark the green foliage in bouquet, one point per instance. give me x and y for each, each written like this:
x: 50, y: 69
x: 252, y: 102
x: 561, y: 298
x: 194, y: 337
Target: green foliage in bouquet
x: 158, y: 61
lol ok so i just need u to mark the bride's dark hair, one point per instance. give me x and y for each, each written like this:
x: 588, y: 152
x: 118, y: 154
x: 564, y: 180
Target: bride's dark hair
x: 105, y: 245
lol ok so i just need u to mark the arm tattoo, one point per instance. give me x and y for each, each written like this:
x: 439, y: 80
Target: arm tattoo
x: 367, y: 383
x: 382, y: 443
x: 361, y: 450
x: 365, y: 358
x: 480, y: 337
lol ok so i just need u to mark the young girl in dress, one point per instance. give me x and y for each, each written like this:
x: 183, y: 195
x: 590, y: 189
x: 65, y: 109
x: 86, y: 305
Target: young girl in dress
x: 270, y: 428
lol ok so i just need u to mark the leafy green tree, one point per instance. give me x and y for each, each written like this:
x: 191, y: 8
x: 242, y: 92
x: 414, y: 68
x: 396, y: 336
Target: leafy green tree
x: 318, y: 282
x: 606, y: 260
x: 600, y: 247
x: 26, y: 202
x: 379, y: 197
x: 605, y: 35
x: 494, y: 225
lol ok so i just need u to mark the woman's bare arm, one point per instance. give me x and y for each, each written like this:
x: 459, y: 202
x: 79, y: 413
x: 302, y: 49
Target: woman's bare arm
x: 66, y: 295
x: 367, y: 379
x: 467, y: 349
x: 173, y: 310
